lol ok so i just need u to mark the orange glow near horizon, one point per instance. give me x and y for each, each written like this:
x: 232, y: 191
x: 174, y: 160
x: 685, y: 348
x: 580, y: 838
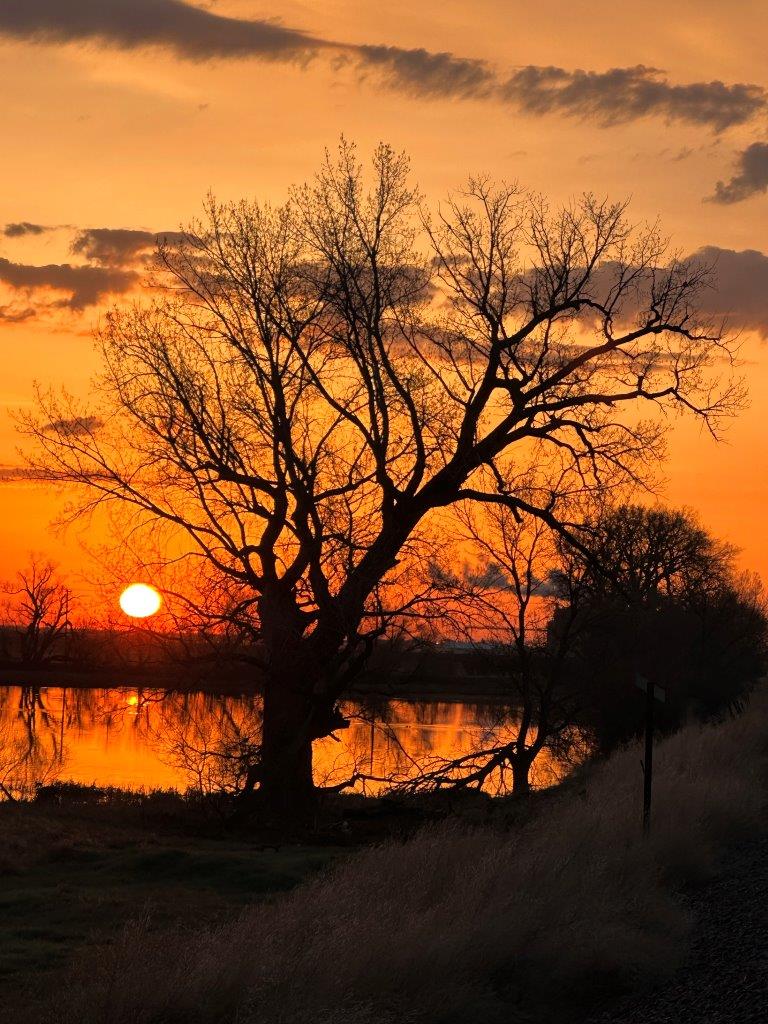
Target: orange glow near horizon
x: 107, y: 143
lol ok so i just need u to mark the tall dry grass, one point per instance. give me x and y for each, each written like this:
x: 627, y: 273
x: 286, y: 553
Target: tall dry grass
x: 458, y: 925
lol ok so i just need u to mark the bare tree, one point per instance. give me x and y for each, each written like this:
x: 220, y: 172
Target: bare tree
x: 313, y: 383
x: 508, y: 595
x: 40, y: 606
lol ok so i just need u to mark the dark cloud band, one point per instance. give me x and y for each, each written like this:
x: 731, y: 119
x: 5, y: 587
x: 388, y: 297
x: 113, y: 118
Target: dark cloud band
x: 22, y: 228
x: 626, y: 94
x: 85, y: 285
x: 740, y: 290
x: 190, y: 31
x: 737, y: 289
x: 751, y: 177
x: 195, y: 33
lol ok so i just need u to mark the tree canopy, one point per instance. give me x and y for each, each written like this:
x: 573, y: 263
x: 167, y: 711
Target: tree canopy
x: 305, y: 386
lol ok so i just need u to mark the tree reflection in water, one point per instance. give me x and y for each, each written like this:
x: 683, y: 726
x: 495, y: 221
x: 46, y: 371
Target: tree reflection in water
x: 151, y: 738
x: 31, y: 742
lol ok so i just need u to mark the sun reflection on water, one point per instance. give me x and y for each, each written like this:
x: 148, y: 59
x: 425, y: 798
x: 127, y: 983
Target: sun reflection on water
x: 127, y: 737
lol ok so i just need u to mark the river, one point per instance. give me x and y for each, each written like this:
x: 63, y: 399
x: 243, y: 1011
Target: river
x: 140, y: 738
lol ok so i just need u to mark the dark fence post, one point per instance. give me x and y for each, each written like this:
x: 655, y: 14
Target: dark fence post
x: 648, y: 756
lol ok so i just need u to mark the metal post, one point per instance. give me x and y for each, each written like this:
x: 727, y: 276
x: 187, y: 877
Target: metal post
x: 648, y: 757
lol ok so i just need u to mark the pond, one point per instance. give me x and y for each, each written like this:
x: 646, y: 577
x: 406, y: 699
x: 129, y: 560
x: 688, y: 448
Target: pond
x: 140, y: 738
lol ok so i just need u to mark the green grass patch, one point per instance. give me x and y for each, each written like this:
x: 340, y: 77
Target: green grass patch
x: 65, y: 890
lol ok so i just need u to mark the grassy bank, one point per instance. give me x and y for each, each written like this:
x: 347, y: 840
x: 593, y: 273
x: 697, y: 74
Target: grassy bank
x: 80, y: 864
x: 459, y: 924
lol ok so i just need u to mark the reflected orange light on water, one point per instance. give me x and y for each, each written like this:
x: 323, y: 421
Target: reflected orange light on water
x: 135, y: 738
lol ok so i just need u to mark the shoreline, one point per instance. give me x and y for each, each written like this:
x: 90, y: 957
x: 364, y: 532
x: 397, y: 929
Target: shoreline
x: 484, y: 691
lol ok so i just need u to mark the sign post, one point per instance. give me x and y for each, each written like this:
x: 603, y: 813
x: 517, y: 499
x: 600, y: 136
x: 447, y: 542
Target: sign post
x: 652, y: 694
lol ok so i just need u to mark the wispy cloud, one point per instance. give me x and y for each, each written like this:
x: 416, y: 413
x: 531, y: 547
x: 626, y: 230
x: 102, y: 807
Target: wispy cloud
x: 22, y: 228
x: 84, y: 285
x: 750, y: 178
x: 74, y: 427
x: 24, y: 474
x: 423, y: 73
x: 110, y: 262
x: 194, y: 33
x: 110, y: 247
x: 198, y: 34
x: 11, y: 314
x: 626, y: 94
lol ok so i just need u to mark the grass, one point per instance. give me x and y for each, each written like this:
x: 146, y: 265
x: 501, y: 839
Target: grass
x: 76, y: 870
x: 459, y: 924
x: 82, y: 896
x: 136, y: 914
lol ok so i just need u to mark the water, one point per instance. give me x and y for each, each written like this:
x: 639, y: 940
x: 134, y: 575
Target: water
x: 138, y: 738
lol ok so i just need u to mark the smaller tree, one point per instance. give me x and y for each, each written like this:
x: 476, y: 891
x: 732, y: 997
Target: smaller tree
x: 733, y: 648
x: 504, y: 604
x: 39, y: 606
x: 660, y: 597
x: 642, y: 557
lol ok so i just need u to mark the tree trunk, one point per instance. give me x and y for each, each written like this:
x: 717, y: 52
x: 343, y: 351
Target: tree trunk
x: 286, y: 789
x: 521, y: 775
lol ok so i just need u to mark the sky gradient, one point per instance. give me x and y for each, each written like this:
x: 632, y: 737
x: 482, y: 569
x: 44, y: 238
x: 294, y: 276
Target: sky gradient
x: 119, y: 116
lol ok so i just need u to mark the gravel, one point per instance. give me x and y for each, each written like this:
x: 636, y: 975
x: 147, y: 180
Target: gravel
x: 724, y: 979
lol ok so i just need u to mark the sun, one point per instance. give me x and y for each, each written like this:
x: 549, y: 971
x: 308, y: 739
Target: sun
x: 140, y: 601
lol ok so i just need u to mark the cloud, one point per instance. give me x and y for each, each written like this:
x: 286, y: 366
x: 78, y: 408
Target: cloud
x: 741, y: 287
x: 86, y: 285
x: 12, y: 315
x: 429, y: 74
x: 21, y: 228
x: 738, y: 288
x: 118, y: 246
x: 626, y: 94
x: 191, y: 32
x: 196, y: 33
x: 751, y: 176
x: 75, y: 427
x: 24, y: 474
x: 115, y: 258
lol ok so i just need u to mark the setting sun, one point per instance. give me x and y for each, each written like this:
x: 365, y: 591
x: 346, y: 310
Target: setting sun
x: 140, y: 601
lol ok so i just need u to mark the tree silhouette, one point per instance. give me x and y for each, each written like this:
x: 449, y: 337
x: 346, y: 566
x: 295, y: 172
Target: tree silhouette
x: 642, y: 556
x: 661, y: 596
x: 312, y: 383
x: 41, y: 609
x: 507, y: 598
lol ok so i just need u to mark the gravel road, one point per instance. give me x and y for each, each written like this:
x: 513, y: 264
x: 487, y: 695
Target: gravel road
x: 725, y: 977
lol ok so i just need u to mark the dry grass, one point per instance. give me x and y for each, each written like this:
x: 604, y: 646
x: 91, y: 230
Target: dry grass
x: 462, y: 926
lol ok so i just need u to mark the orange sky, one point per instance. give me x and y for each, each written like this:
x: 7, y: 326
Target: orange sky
x: 101, y: 133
